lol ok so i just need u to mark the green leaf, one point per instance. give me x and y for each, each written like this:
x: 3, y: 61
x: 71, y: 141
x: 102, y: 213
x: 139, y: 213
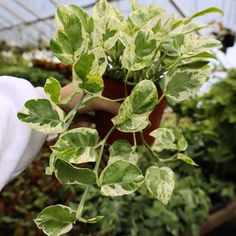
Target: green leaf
x: 65, y: 11
x: 56, y: 220
x: 168, y: 139
x: 87, y: 74
x: 122, y: 150
x: 102, y: 59
x: 160, y: 182
x: 178, y: 41
x: 186, y: 27
x: 183, y: 83
x: 109, y: 32
x: 186, y: 159
x: 134, y: 111
x: 43, y: 116
x: 70, y: 39
x: 140, y: 52
x: 103, y: 9
x: 180, y: 140
x: 77, y: 146
x: 195, y: 44
x: 68, y: 174
x: 202, y: 55
x: 120, y: 178
x: 91, y: 220
x: 194, y: 65
x: 53, y: 88
x: 206, y: 11
x: 135, y: 5
x: 164, y: 140
x: 141, y: 16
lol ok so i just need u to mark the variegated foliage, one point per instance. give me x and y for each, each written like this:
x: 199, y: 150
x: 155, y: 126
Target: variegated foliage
x: 148, y: 48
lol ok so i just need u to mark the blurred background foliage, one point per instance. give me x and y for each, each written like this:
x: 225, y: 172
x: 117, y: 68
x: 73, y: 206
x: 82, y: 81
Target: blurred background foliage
x: 208, y: 123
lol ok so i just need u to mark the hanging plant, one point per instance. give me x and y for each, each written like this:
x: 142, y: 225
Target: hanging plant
x: 148, y: 50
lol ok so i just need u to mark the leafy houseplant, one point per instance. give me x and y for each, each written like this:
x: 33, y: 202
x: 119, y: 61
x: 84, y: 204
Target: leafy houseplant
x: 148, y: 49
x: 214, y: 120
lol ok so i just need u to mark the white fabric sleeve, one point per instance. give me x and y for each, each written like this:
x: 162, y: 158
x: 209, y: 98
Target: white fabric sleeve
x: 19, y: 144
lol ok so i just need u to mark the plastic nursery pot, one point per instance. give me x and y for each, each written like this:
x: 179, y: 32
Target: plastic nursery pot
x: 114, y: 89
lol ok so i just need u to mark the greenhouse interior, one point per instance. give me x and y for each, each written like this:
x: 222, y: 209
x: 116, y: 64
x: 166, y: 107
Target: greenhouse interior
x: 116, y: 118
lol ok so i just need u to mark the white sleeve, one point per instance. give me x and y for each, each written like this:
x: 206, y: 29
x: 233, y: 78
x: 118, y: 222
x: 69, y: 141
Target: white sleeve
x: 19, y: 144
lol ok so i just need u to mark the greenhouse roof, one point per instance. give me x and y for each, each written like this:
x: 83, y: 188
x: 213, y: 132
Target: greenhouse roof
x: 24, y: 22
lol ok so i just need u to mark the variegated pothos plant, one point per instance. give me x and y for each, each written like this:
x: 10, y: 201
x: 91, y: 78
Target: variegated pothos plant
x: 148, y: 48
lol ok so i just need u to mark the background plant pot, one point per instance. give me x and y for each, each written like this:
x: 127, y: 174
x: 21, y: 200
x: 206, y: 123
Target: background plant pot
x: 114, y: 89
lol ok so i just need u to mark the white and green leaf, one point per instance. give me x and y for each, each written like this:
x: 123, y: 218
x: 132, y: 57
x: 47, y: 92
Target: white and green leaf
x: 186, y: 159
x: 168, y: 140
x: 140, y: 52
x: 120, y: 178
x: 181, y: 142
x: 183, y: 83
x: 87, y: 74
x: 70, y: 38
x: 135, y: 110
x: 65, y: 11
x: 164, y: 140
x: 43, y: 116
x: 206, y: 11
x: 106, y: 33
x: 103, y: 8
x: 160, y: 182
x: 122, y: 150
x: 77, y: 146
x: 194, y: 44
x: 68, y: 174
x: 141, y: 16
x: 53, y: 88
x: 102, y: 59
x: 56, y: 220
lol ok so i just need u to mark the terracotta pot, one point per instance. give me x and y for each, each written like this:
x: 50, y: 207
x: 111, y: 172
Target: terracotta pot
x: 114, y: 89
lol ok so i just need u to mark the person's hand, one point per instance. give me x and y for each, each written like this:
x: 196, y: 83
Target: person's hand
x: 95, y: 104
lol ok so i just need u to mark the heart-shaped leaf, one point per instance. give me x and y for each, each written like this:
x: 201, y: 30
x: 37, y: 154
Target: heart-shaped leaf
x: 53, y: 88
x: 135, y: 110
x: 87, y: 74
x: 70, y: 39
x: 120, y: 178
x: 122, y: 150
x: 56, y: 220
x: 140, y: 52
x: 43, y: 116
x: 68, y: 174
x: 183, y: 83
x: 77, y: 146
x: 160, y: 182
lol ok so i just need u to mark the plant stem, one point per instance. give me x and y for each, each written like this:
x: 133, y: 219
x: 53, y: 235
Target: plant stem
x: 173, y: 158
x: 174, y: 64
x: 135, y: 141
x: 102, y: 148
x: 151, y: 153
x: 159, y: 100
x: 70, y: 116
x: 126, y: 79
x: 81, y: 204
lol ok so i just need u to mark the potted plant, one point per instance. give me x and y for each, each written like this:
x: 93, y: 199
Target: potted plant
x: 148, y: 50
